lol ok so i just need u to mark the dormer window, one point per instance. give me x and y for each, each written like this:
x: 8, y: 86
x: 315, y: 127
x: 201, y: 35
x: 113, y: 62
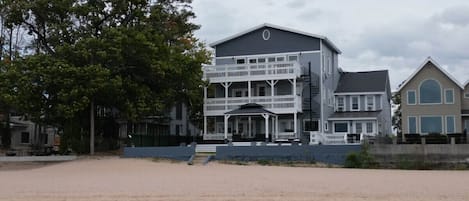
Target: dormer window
x: 340, y: 104
x: 355, y: 105
x: 370, y: 103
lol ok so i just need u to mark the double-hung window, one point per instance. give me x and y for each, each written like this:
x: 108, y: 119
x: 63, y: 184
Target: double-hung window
x: 449, y: 96
x: 355, y: 103
x: 411, y: 100
x: 340, y: 104
x: 370, y: 103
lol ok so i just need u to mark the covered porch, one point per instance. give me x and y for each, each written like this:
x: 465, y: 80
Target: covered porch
x: 250, y: 110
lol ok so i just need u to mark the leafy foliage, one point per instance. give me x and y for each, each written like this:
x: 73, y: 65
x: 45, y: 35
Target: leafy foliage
x: 136, y: 56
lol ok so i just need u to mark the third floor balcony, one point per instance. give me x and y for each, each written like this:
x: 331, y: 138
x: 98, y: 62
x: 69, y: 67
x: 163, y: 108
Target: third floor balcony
x: 258, y: 71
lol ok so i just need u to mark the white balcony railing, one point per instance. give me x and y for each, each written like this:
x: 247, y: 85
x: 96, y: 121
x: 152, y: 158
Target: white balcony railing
x: 276, y: 104
x: 223, y: 73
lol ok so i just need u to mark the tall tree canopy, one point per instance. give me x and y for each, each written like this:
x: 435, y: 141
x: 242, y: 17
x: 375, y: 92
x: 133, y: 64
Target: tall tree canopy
x: 138, y: 56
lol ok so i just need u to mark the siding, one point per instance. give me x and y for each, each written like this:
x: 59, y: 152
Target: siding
x: 280, y: 41
x: 427, y: 72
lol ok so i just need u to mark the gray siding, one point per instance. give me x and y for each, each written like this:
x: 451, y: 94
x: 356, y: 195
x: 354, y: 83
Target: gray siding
x: 314, y: 59
x: 330, y: 82
x: 280, y: 41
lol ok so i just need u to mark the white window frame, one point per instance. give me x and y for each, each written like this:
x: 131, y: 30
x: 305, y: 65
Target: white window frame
x: 341, y: 122
x: 452, y: 92
x: 446, y: 123
x: 466, y: 95
x: 416, y: 123
x: 373, y: 108
x: 372, y: 127
x: 351, y: 103
x: 442, y: 123
x: 258, y: 86
x: 337, y: 103
x: 415, y: 97
x: 355, y: 127
x: 441, y: 91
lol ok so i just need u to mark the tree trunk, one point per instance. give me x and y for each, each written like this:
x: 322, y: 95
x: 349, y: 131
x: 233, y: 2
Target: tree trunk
x: 92, y: 128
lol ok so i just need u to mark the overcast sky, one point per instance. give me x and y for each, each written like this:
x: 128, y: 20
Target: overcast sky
x: 372, y: 35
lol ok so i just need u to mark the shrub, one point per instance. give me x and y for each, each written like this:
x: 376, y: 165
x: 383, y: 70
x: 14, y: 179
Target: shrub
x: 362, y: 159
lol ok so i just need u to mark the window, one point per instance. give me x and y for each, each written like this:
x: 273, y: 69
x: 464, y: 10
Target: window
x: 280, y: 59
x: 358, y: 128
x: 271, y: 59
x: 25, y: 137
x: 355, y: 103
x: 45, y: 138
x: 292, y: 58
x: 369, y: 127
x: 431, y: 125
x: 340, y: 127
x: 378, y: 102
x: 340, y: 104
x: 240, y: 61
x: 450, y: 124
x: 179, y: 111
x: 430, y: 92
x: 411, y: 97
x: 310, y: 125
x: 412, y: 124
x: 466, y: 95
x: 252, y: 61
x: 370, y: 104
x: 261, y: 60
x: 449, y: 96
x: 261, y: 91
x: 326, y: 125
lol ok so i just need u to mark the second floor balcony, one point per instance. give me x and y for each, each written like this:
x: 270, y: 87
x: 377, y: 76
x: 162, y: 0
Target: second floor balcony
x: 257, y: 71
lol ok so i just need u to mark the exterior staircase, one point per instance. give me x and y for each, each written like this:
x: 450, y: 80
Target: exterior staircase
x: 200, y: 159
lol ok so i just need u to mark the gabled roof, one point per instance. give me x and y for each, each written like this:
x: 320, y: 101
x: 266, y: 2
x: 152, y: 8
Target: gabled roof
x: 465, y: 84
x: 366, y: 81
x: 429, y: 60
x: 276, y: 27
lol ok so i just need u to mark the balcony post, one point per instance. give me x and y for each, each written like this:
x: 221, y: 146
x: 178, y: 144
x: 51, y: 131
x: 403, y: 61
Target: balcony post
x: 295, y: 124
x: 205, y: 125
x: 249, y: 91
x: 276, y: 127
x: 266, y: 117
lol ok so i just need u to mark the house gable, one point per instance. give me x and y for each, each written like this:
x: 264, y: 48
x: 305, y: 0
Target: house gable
x: 269, y: 39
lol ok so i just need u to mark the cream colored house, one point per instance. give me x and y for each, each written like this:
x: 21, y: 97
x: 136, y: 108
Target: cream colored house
x: 432, y: 101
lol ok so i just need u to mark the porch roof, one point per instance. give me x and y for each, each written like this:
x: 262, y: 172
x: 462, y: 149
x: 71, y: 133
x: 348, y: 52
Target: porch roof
x: 365, y: 115
x: 250, y: 109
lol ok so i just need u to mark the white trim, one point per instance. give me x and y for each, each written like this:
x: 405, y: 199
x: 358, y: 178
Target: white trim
x: 266, y: 34
x: 427, y: 60
x: 446, y: 123
x: 337, y: 104
x: 452, y: 92
x: 416, y: 124
x: 360, y: 93
x: 415, y: 97
x: 351, y: 118
x: 268, y: 55
x: 442, y: 122
x: 340, y: 122
x: 276, y: 27
x: 351, y: 103
x: 441, y: 92
x: 373, y: 108
x: 372, y: 127
x: 323, y: 126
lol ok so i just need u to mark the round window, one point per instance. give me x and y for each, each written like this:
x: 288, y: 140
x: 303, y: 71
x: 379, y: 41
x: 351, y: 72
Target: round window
x: 266, y: 34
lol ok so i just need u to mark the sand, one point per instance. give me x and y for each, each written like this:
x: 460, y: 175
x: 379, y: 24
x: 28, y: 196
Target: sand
x: 116, y: 179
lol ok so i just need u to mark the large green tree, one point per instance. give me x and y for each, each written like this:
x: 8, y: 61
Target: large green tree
x: 136, y: 56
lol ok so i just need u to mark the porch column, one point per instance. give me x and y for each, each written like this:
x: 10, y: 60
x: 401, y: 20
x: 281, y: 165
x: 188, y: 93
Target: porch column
x: 226, y: 85
x: 276, y: 127
x: 266, y: 117
x: 249, y: 126
x: 227, y: 116
x: 295, y: 124
x: 205, y: 125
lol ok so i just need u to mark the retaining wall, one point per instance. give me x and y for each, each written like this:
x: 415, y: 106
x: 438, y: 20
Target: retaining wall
x: 428, y: 153
x: 174, y: 152
x: 331, y: 154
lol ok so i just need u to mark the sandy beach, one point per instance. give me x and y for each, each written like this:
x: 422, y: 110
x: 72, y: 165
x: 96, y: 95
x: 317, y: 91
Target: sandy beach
x: 116, y: 179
